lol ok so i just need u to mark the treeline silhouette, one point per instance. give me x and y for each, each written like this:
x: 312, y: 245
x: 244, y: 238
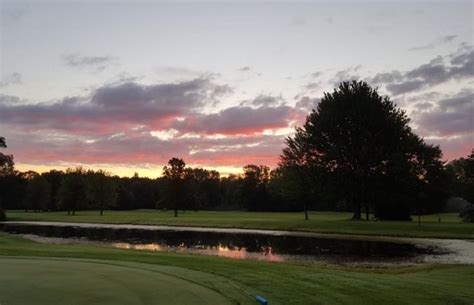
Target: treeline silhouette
x: 356, y: 152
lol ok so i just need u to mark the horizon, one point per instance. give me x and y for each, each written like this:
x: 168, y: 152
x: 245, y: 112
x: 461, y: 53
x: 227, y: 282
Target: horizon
x: 124, y: 87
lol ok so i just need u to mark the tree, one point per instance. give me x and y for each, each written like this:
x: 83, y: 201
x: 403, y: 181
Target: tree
x: 102, y: 190
x: 253, y: 189
x: 6, y: 161
x: 54, y: 178
x: 72, y: 194
x: 7, y: 170
x: 174, y: 174
x: 361, y: 142
x: 38, y: 194
x: 461, y: 172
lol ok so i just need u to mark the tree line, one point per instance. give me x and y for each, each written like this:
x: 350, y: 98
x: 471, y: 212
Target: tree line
x: 355, y: 152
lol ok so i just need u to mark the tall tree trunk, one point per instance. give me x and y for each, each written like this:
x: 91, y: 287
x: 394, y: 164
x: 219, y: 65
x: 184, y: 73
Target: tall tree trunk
x: 73, y: 212
x: 176, y: 212
x: 366, y: 212
x: 101, y: 212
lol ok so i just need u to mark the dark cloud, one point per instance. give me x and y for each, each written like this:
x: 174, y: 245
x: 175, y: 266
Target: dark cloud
x: 240, y: 120
x: 11, y: 79
x: 387, y: 77
x: 306, y: 103
x: 114, y: 108
x: 404, y: 87
x: 435, y: 72
x: 264, y: 100
x: 452, y: 116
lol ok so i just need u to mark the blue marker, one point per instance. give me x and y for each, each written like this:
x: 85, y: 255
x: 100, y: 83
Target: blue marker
x: 261, y: 300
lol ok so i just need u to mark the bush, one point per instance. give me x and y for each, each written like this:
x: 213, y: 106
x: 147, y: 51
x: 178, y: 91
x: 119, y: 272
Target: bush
x: 3, y: 215
x: 467, y: 214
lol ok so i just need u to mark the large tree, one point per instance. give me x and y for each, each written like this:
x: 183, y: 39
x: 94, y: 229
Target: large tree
x: 73, y: 193
x: 254, y: 187
x: 7, y: 172
x: 362, y: 143
x: 6, y: 161
x: 102, y: 190
x: 174, y: 174
x: 38, y: 194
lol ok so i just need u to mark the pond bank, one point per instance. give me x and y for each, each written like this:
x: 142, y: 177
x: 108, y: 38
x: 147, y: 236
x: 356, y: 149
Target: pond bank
x: 269, y: 245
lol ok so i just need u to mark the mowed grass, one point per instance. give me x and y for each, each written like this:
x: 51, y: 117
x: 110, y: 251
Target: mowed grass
x: 450, y: 226
x: 55, y: 281
x: 115, y: 276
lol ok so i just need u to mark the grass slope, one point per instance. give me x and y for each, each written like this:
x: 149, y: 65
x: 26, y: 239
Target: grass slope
x: 324, y: 222
x: 280, y: 283
x: 53, y: 281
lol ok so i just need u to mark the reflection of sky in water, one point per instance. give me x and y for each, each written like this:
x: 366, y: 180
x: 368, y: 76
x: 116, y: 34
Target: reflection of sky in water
x: 266, y: 253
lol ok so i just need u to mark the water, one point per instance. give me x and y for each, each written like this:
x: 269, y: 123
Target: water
x: 269, y: 247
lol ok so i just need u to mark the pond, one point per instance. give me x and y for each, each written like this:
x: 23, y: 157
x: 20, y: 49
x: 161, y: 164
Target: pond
x: 238, y: 244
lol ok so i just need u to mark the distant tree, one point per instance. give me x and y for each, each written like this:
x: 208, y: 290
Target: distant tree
x: 38, y: 194
x: 362, y: 143
x: 102, y: 190
x: 174, y: 174
x: 254, y: 187
x: 54, y: 178
x: 72, y: 194
x: 461, y: 172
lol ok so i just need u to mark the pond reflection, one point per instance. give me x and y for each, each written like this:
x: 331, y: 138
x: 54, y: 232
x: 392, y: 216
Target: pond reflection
x: 266, y: 253
x: 269, y: 247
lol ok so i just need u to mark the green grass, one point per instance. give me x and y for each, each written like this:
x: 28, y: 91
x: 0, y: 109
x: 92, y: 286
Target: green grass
x: 323, y: 222
x: 57, y: 272
x: 53, y: 281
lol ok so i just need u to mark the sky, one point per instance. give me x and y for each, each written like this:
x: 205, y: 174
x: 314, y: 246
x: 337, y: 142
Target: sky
x: 125, y: 86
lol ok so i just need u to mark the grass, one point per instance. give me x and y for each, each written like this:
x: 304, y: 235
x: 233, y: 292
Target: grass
x: 322, y: 222
x: 130, y: 276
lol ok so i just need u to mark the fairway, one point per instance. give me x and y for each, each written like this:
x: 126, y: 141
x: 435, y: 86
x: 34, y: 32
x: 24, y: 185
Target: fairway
x: 53, y: 281
x: 81, y: 274
x: 450, y: 225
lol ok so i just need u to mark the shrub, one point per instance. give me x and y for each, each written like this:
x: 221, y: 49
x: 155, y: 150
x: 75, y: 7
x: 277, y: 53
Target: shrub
x: 3, y: 215
x: 467, y: 214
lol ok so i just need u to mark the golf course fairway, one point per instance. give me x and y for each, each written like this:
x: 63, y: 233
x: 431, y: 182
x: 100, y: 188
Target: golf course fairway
x: 65, y: 281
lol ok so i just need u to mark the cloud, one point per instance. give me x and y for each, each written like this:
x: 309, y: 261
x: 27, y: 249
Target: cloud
x: 452, y: 116
x: 11, y: 79
x: 244, y: 69
x: 264, y: 100
x: 306, y: 103
x: 131, y: 123
x: 435, y: 72
x: 348, y: 74
x: 240, y: 120
x: 114, y: 108
x: 435, y: 43
x: 80, y: 61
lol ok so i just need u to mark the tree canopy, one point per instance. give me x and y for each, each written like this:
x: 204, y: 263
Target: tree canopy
x: 362, y: 144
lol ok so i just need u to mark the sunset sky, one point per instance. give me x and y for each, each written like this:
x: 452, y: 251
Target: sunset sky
x: 125, y: 86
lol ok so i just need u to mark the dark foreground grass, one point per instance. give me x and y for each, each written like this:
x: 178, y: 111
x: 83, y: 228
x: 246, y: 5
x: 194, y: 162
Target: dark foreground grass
x: 323, y: 222
x: 237, y: 280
